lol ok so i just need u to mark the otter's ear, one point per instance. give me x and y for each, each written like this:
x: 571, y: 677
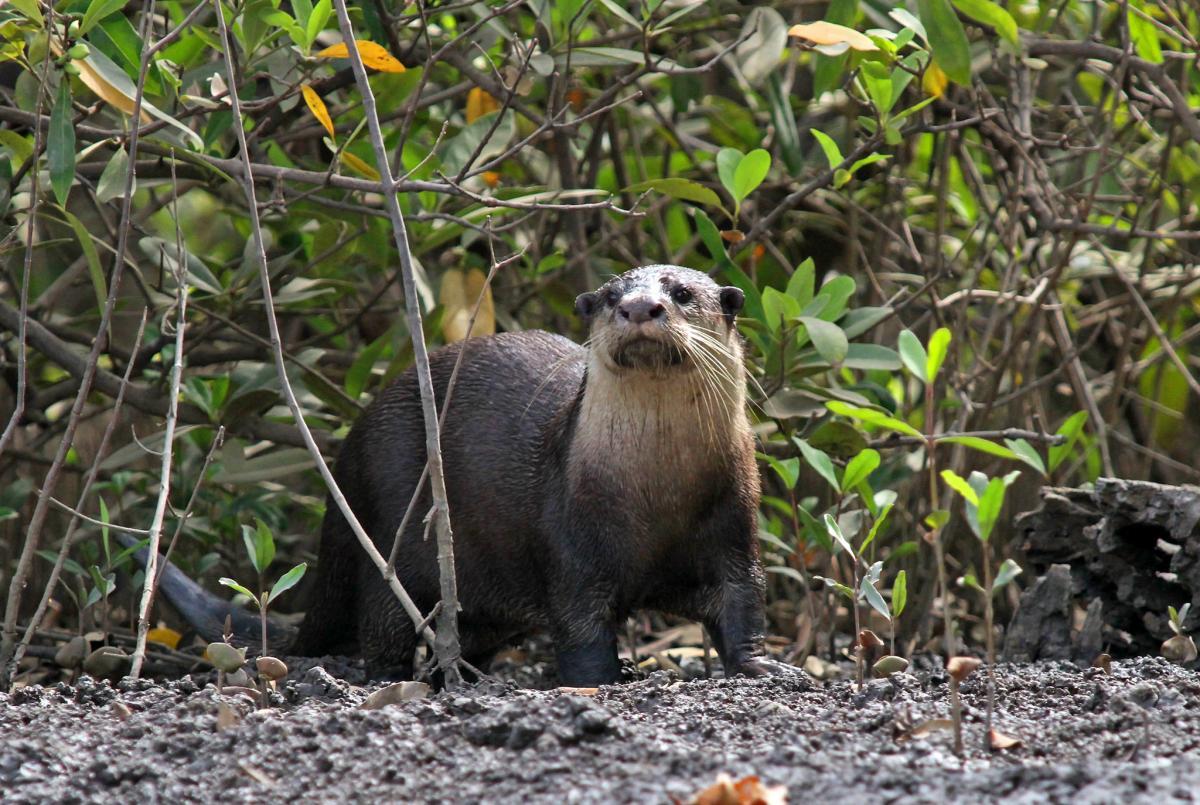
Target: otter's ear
x: 586, y: 305
x: 732, y: 300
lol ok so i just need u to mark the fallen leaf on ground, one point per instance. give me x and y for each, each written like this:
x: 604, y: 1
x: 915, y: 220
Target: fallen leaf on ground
x: 746, y: 791
x: 998, y: 740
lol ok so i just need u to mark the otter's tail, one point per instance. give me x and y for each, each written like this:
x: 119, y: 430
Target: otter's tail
x: 206, y: 612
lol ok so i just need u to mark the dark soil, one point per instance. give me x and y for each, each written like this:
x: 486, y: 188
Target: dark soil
x: 1087, y: 737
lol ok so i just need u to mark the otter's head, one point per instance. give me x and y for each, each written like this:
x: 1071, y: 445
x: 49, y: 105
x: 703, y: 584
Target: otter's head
x: 663, y: 319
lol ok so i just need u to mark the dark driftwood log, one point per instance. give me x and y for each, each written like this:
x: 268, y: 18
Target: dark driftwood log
x: 1123, y: 552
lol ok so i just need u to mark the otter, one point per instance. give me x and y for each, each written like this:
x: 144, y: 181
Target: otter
x: 584, y: 483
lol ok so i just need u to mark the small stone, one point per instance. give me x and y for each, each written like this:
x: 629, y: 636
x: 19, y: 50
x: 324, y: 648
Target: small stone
x: 107, y: 662
x: 72, y: 652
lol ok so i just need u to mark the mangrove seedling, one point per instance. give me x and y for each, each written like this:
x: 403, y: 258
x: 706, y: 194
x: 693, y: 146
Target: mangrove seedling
x: 959, y: 669
x: 1179, y: 648
x: 260, y: 546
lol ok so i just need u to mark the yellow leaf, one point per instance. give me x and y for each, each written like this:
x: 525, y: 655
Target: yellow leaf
x: 317, y: 107
x: 374, y: 56
x: 479, y: 103
x: 828, y: 33
x: 164, y: 636
x: 935, y: 80
x: 458, y: 296
x: 358, y: 166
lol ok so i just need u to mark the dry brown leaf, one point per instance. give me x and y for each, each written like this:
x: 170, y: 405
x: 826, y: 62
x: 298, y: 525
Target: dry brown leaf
x: 931, y: 726
x: 458, y: 296
x: 480, y: 103
x: 226, y: 716
x: 107, y: 92
x: 374, y: 56
x: 317, y: 107
x: 578, y: 691
x: 746, y: 791
x: 998, y: 740
x: 828, y: 33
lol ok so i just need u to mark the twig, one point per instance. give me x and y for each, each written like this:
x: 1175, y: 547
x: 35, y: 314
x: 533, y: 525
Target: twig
x: 41, y: 509
x: 446, y: 646
x: 69, y: 536
x: 277, y: 350
x: 168, y: 451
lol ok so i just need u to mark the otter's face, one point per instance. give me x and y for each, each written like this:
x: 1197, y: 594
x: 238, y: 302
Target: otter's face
x: 655, y: 318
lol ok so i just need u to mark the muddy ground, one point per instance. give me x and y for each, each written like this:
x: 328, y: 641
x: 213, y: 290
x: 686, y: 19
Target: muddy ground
x: 1086, y: 737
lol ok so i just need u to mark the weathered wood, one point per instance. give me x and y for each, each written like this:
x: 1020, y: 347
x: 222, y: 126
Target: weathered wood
x: 1123, y: 551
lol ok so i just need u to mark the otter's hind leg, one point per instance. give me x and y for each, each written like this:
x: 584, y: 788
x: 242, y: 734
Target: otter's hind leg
x: 328, y: 625
x: 386, y: 634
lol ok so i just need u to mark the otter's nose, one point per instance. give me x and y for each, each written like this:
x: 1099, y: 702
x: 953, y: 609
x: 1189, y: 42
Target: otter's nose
x: 641, y: 309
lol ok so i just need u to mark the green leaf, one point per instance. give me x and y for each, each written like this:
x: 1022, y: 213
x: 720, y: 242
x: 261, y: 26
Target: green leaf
x: 801, y: 283
x: 990, y: 504
x: 60, y: 145
x: 1027, y: 453
x: 874, y: 598
x: 878, y: 524
x: 95, y: 269
x: 1009, y: 570
x: 260, y: 545
x: 871, y: 356
x: 787, y: 469
x: 287, y: 581
x: 878, y: 79
x: 833, y: 154
x: 902, y: 16
x: 778, y: 307
x: 621, y: 13
x: 937, y: 518
x: 947, y: 39
x: 728, y: 160
x: 96, y: 11
x: 837, y: 293
x: 238, y: 588
x: 960, y: 485
x: 819, y: 462
x: 939, y: 344
x: 899, y: 593
x: 913, y: 355
x: 859, y: 468
x: 990, y: 13
x: 750, y: 172
x: 29, y: 9
x: 317, y: 20
x: 111, y: 184
x: 872, y: 417
x: 835, y: 532
x: 869, y: 159
x: 982, y: 445
x: 1071, y: 429
x: 683, y: 189
x: 827, y: 337
x: 1143, y: 34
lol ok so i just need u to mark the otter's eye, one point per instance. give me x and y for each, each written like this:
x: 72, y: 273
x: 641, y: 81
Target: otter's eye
x: 681, y: 295
x: 611, y: 298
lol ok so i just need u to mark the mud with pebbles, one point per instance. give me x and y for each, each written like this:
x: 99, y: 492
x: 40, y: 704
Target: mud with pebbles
x: 1086, y: 736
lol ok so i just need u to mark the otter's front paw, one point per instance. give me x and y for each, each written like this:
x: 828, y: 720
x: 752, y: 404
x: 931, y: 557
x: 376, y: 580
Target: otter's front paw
x: 765, y: 666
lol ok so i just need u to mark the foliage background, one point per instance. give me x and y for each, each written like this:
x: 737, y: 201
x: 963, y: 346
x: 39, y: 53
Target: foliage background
x: 1020, y: 173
